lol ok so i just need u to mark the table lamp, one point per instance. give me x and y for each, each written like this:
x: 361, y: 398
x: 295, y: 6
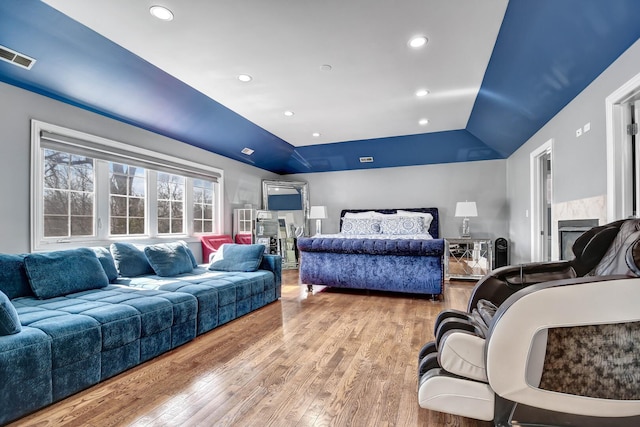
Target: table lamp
x: 318, y: 213
x: 466, y: 209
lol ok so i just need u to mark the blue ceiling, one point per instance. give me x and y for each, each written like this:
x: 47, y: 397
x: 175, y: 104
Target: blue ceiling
x: 546, y: 53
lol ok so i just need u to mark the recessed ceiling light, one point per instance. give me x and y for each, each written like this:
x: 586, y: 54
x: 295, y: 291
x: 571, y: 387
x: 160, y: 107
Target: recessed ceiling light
x: 245, y: 78
x: 423, y: 122
x: 422, y: 92
x: 247, y: 151
x: 326, y: 67
x: 161, y: 12
x: 418, y: 41
x: 316, y: 134
x: 289, y: 113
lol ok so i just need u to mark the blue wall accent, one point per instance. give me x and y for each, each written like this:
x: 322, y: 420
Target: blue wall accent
x: 285, y: 202
x: 546, y: 53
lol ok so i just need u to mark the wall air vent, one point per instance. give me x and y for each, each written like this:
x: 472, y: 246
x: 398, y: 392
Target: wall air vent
x: 247, y: 151
x: 366, y: 159
x: 16, y: 58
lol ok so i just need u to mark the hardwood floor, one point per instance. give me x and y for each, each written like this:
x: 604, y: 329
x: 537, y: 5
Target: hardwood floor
x: 323, y: 359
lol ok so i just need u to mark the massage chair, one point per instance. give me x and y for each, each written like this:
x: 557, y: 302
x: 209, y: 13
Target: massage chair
x: 551, y: 343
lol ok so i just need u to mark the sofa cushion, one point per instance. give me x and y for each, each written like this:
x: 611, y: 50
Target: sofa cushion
x: 9, y: 322
x: 233, y: 257
x: 130, y: 259
x: 13, y: 278
x: 108, y: 264
x: 58, y: 273
x: 169, y: 259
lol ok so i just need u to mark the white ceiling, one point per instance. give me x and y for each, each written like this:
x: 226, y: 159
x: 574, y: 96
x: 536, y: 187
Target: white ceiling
x: 368, y: 93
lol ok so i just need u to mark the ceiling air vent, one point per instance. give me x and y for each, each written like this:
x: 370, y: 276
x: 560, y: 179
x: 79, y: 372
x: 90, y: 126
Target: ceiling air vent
x: 16, y: 58
x: 247, y: 151
x: 366, y: 159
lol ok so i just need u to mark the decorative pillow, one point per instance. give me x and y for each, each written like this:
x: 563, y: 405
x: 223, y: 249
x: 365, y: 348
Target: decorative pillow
x: 361, y: 226
x: 108, y: 264
x: 130, y: 259
x: 402, y: 225
x: 194, y: 262
x: 233, y: 257
x: 58, y: 273
x: 9, y: 322
x: 363, y: 215
x: 169, y: 259
x: 426, y: 217
x: 13, y: 278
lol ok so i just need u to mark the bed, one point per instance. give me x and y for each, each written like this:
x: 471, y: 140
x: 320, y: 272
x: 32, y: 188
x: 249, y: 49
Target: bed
x: 374, y: 251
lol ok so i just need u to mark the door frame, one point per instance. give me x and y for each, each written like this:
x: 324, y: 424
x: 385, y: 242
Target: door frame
x: 619, y: 188
x: 537, y: 182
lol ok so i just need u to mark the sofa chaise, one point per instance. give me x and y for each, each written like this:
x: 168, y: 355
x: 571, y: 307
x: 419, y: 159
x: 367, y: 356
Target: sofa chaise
x: 71, y: 319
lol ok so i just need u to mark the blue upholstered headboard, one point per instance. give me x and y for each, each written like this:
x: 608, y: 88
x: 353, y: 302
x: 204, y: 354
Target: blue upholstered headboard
x: 434, y: 229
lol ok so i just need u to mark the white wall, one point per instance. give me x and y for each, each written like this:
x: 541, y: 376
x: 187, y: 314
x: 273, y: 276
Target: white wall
x: 579, y: 165
x: 243, y: 183
x: 438, y: 186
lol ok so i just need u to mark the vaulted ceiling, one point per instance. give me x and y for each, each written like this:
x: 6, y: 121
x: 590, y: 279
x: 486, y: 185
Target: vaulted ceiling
x: 494, y: 72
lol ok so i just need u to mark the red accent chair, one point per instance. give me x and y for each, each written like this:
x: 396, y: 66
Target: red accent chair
x: 244, y: 239
x: 211, y: 243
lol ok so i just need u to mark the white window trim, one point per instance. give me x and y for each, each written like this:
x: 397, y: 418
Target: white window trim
x: 101, y: 209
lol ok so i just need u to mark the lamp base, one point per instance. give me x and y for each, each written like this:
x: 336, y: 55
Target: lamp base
x: 318, y: 227
x: 466, y: 231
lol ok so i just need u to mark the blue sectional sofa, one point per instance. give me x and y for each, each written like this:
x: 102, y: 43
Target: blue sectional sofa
x: 70, y: 319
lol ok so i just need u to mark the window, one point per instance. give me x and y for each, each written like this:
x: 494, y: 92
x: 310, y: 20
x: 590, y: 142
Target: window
x: 90, y: 191
x: 127, y: 199
x: 203, y: 206
x: 68, y: 195
x: 170, y: 204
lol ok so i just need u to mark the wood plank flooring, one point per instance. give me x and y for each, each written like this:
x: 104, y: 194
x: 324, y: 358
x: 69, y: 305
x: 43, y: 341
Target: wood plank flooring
x: 323, y: 359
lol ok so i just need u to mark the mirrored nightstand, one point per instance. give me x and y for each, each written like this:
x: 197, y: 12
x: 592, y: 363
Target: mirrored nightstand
x: 467, y: 258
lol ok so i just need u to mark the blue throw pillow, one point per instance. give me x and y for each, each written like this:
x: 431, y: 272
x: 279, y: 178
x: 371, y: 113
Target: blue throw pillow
x: 9, y: 322
x: 130, y: 259
x: 53, y: 274
x: 108, y: 264
x: 13, y: 278
x: 232, y: 257
x: 169, y: 259
x: 191, y: 256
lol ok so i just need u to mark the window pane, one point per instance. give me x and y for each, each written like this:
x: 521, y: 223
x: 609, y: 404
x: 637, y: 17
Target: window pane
x: 197, y: 211
x: 82, y: 204
x: 176, y: 209
x: 118, y: 184
x: 118, y: 206
x: 81, y: 226
x: 136, y: 207
x: 56, y: 226
x: 197, y: 226
x: 207, y: 212
x: 208, y: 196
x: 164, y: 226
x: 163, y: 209
x: 136, y: 226
x: 176, y: 226
x: 207, y: 226
x: 137, y: 187
x: 198, y: 195
x: 118, y: 225
x: 56, y: 202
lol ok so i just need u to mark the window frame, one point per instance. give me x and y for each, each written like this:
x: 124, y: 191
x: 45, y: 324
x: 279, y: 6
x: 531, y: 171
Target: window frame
x: 101, y: 221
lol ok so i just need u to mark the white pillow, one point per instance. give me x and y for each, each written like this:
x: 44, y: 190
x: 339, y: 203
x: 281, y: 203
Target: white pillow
x: 366, y: 214
x: 426, y: 217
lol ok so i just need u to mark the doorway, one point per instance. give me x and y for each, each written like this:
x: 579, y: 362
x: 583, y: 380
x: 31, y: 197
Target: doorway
x: 541, y: 202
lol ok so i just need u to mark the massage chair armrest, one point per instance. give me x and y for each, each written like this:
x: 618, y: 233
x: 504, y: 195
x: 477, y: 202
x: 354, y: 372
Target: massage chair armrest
x: 503, y: 282
x: 517, y: 338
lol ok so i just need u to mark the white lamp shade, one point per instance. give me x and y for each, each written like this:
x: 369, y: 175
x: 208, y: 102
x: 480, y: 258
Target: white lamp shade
x: 466, y: 209
x: 318, y: 212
